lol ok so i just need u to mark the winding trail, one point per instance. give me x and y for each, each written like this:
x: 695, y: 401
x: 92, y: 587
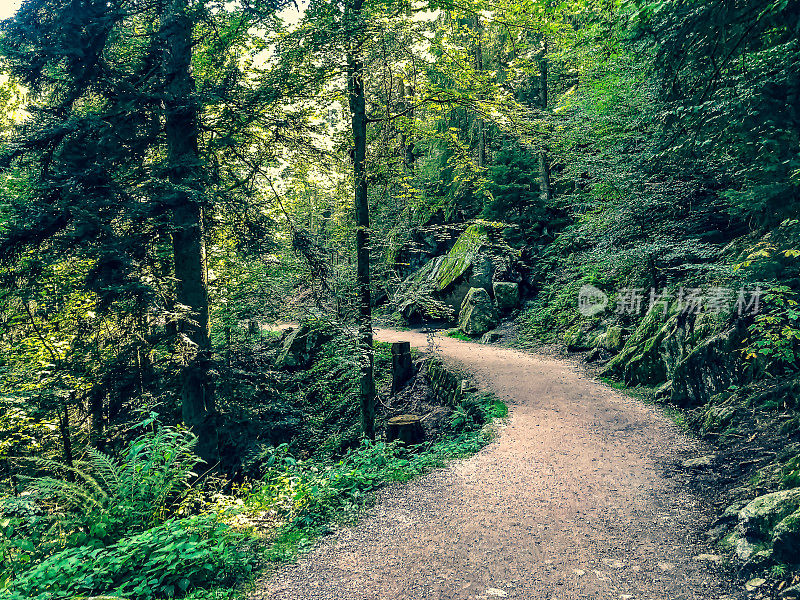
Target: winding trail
x: 569, y: 502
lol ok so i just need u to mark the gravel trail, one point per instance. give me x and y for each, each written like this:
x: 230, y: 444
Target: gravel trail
x: 570, y: 502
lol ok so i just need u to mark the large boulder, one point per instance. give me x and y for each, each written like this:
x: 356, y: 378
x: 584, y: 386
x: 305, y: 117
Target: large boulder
x: 438, y: 289
x: 680, y: 347
x: 477, y: 315
x: 759, y: 517
x: 768, y: 527
x: 506, y: 295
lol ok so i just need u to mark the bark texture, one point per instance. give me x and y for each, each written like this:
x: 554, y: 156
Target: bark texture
x: 357, y: 100
x: 181, y: 125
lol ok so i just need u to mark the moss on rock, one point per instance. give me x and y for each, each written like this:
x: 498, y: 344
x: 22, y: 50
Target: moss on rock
x: 506, y: 295
x: 610, y: 339
x: 639, y: 362
x: 786, y: 539
x: 710, y: 368
x: 477, y: 315
x: 760, y: 516
x: 438, y: 289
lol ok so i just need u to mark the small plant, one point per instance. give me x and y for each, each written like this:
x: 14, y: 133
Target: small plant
x: 475, y: 411
x: 775, y: 334
x: 99, y: 500
x: 169, y: 560
x: 790, y: 473
x: 456, y: 334
x: 778, y: 570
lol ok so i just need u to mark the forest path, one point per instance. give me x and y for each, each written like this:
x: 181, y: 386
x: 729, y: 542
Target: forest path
x: 569, y: 502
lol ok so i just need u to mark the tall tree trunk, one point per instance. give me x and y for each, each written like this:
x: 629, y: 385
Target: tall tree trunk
x: 66, y: 437
x: 181, y: 125
x: 545, y: 193
x: 96, y: 420
x: 355, y: 88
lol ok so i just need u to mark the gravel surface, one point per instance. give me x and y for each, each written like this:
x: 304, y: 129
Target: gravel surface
x: 570, y: 501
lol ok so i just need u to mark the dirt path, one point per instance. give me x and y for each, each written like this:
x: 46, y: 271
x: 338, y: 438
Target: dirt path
x: 569, y: 502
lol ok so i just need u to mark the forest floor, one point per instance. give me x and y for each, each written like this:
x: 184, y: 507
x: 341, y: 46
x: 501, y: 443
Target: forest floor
x: 578, y: 497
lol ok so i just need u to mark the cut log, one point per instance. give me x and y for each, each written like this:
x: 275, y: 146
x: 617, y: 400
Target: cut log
x: 402, y: 368
x: 406, y: 429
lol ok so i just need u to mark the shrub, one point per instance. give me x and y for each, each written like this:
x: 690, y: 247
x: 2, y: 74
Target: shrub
x: 775, y: 334
x: 98, y: 500
x: 169, y: 560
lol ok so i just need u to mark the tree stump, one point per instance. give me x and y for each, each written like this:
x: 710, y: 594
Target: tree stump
x: 406, y: 429
x: 401, y: 365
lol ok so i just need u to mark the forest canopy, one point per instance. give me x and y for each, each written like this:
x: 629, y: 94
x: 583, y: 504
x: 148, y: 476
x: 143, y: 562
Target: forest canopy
x: 182, y: 178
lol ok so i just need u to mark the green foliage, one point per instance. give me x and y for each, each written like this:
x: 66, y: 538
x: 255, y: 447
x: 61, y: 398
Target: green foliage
x: 169, y: 560
x: 775, y: 334
x: 456, y: 334
x: 99, y: 500
x: 790, y: 473
x: 778, y: 570
x: 475, y: 410
x: 514, y: 188
x: 554, y: 310
x: 327, y: 393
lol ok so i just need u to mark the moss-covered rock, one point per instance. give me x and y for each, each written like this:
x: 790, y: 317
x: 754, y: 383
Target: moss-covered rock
x: 506, y: 295
x: 680, y: 347
x: 443, y: 385
x: 610, y: 339
x: 786, y: 539
x: 299, y: 346
x: 715, y: 416
x: 438, y: 289
x: 710, y: 368
x: 760, y: 516
x: 477, y: 315
x: 639, y: 362
x: 768, y: 526
x: 576, y: 339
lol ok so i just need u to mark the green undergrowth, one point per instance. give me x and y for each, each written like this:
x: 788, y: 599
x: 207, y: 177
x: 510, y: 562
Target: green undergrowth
x: 143, y: 526
x: 456, y: 334
x: 312, y: 496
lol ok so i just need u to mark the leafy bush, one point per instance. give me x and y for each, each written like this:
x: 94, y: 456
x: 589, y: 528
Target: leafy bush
x: 165, y: 561
x: 98, y: 500
x: 476, y: 410
x: 775, y: 334
x: 553, y: 311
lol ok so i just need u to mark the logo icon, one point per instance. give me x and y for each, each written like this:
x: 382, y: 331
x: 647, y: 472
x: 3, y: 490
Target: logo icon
x: 591, y: 301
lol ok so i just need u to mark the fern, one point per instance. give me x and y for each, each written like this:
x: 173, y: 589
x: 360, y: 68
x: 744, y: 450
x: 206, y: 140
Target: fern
x: 103, y: 499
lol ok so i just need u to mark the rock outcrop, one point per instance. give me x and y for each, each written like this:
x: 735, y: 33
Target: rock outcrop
x: 506, y: 295
x: 610, y: 339
x: 710, y: 368
x: 769, y: 527
x: 682, y: 348
x: 299, y: 346
x: 437, y: 290
x: 477, y: 314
